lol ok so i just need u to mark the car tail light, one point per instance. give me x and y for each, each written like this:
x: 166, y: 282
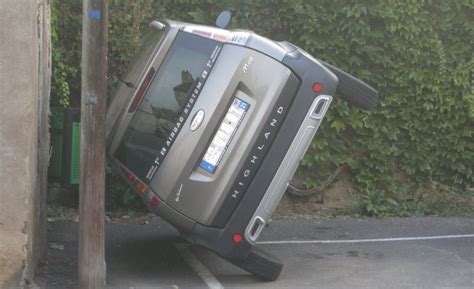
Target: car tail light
x: 237, y: 238
x: 154, y: 202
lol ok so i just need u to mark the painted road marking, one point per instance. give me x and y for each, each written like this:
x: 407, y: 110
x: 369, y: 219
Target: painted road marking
x: 198, y: 267
x: 366, y: 240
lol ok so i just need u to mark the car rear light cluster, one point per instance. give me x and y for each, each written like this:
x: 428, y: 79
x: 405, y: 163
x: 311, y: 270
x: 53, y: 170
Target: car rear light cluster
x: 141, y: 187
x: 153, y: 201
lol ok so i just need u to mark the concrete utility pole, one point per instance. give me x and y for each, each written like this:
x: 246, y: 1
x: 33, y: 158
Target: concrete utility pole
x: 92, y: 187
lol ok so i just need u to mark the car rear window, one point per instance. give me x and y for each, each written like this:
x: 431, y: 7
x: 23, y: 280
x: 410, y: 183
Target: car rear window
x: 164, y: 104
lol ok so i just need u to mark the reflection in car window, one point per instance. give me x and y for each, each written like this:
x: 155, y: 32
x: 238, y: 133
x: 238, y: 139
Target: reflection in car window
x: 164, y: 101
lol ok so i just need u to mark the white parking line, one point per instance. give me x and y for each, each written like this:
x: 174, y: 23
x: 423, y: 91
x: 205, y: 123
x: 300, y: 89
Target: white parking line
x: 366, y: 240
x: 198, y: 267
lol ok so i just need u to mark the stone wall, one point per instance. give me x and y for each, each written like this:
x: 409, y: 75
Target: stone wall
x: 24, y: 138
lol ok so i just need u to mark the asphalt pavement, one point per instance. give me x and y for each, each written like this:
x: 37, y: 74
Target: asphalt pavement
x: 334, y: 253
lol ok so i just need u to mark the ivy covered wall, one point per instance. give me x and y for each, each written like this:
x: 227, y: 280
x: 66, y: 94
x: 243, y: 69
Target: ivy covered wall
x: 418, y: 54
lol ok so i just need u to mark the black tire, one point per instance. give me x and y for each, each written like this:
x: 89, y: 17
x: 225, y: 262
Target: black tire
x: 354, y: 90
x: 261, y: 264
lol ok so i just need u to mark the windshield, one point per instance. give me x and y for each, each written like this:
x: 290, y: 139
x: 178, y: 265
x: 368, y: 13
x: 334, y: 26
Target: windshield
x: 165, y: 104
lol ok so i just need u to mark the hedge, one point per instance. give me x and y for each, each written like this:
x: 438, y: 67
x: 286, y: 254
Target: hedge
x: 418, y: 54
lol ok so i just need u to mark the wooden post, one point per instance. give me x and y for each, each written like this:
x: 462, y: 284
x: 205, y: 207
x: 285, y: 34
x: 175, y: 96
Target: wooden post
x: 92, y: 269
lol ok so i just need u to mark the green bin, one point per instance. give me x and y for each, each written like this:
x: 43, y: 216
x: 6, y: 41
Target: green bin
x: 65, y: 145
